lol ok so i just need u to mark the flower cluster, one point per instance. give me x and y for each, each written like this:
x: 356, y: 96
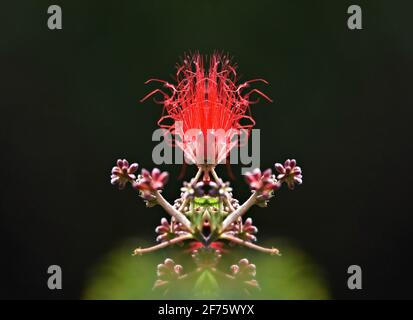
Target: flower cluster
x: 167, y: 231
x: 168, y: 272
x: 148, y: 184
x: 207, y: 216
x: 245, y: 272
x: 244, y: 230
x: 264, y: 184
x: 152, y: 181
x: 289, y: 173
x: 122, y: 173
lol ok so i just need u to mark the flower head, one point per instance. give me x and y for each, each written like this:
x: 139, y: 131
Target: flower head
x: 122, y: 173
x: 209, y: 103
x: 289, y: 173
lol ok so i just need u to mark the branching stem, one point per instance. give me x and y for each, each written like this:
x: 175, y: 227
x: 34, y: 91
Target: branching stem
x: 179, y: 216
x: 139, y: 251
x: 232, y: 217
x: 249, y: 244
x: 227, y: 196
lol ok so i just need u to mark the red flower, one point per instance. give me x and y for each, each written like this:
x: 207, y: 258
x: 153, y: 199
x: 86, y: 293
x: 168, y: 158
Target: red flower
x: 209, y: 101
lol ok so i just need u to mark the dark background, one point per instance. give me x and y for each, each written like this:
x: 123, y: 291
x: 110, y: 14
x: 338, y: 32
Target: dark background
x: 69, y: 109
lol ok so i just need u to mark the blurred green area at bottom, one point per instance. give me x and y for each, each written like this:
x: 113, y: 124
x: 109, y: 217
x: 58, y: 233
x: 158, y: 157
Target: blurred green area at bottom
x: 122, y: 276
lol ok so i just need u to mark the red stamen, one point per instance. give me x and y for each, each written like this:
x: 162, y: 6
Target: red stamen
x: 206, y: 99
